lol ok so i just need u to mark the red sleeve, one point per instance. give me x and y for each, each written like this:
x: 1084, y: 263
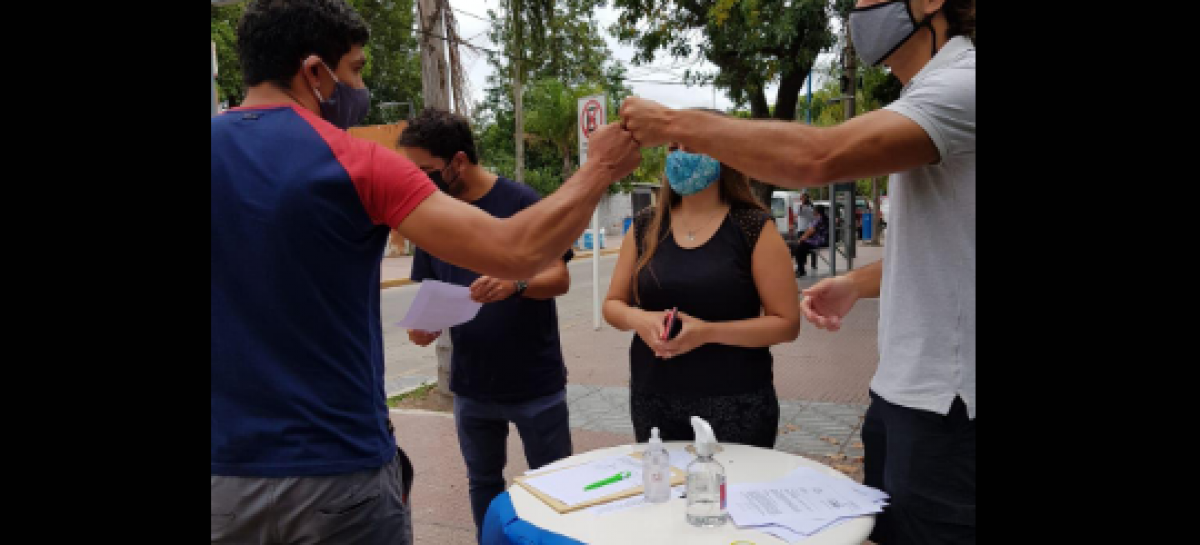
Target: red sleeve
x: 388, y: 184
x: 394, y: 187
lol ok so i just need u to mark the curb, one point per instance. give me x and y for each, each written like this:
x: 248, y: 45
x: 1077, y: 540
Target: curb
x: 603, y: 253
x: 401, y: 282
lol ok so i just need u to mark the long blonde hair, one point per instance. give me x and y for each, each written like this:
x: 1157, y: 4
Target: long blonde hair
x: 734, y: 190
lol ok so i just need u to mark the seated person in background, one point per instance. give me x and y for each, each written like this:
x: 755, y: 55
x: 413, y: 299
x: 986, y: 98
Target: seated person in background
x: 817, y: 236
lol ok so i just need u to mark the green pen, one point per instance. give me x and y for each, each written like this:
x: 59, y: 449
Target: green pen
x: 614, y: 479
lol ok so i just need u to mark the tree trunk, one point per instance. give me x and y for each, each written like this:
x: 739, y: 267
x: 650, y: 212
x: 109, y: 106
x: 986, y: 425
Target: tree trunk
x: 759, y: 109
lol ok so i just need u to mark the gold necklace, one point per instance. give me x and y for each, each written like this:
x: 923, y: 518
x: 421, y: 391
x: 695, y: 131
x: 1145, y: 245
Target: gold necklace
x: 692, y: 232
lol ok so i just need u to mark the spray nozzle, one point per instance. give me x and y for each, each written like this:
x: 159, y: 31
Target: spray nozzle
x: 706, y: 440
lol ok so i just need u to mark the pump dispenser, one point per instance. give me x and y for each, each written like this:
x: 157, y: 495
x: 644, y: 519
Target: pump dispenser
x: 656, y: 470
x: 706, y: 498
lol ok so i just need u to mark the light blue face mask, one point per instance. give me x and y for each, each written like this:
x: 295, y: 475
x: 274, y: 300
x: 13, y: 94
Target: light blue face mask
x: 690, y: 173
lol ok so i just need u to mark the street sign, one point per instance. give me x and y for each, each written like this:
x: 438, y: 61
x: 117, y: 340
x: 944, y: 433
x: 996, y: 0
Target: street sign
x: 593, y: 113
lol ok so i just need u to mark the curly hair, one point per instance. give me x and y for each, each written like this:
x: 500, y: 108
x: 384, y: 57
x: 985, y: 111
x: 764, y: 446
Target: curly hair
x: 275, y: 36
x: 441, y: 133
x: 961, y: 16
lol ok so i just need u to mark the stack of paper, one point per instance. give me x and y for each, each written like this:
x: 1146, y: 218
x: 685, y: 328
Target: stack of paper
x: 801, y: 504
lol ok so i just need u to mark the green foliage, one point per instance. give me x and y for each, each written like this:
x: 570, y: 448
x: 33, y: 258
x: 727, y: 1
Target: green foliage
x: 222, y: 30
x: 393, y: 71
x: 754, y: 43
x: 565, y: 59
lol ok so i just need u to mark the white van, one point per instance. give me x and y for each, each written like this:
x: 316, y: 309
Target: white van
x: 783, y: 207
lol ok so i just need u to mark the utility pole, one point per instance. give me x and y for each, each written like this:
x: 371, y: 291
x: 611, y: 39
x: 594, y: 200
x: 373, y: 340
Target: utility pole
x: 434, y: 70
x: 518, y: 30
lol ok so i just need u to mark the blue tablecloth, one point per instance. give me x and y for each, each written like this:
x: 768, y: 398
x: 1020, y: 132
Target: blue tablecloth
x: 501, y: 526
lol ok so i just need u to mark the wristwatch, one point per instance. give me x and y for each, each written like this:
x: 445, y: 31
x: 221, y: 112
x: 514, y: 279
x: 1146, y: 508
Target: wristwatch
x: 521, y: 287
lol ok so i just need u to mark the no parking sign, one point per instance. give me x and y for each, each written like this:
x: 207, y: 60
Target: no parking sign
x: 593, y: 114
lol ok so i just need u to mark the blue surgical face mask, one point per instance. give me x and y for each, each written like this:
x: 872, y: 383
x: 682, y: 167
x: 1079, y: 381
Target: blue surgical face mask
x: 879, y: 30
x: 690, y: 173
x: 347, y: 106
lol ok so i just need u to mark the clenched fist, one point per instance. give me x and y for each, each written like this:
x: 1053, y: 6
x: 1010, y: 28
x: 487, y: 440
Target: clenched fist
x: 646, y: 120
x: 614, y: 149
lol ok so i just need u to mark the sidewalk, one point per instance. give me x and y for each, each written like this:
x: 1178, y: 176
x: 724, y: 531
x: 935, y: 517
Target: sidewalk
x: 822, y: 380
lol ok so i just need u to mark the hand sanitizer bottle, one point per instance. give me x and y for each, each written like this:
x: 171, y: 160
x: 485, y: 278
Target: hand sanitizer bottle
x: 656, y: 471
x: 705, y: 481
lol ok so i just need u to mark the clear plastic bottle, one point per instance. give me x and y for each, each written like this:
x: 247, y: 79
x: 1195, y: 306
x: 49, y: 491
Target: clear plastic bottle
x: 706, y: 498
x: 656, y: 471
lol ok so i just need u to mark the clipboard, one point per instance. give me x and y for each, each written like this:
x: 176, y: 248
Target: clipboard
x: 677, y: 478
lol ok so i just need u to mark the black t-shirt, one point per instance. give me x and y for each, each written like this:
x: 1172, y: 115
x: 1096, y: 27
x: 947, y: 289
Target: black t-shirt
x: 511, y: 351
x: 714, y: 283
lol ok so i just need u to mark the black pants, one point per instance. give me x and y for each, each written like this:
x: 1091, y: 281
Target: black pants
x: 801, y: 252
x: 749, y: 419
x: 926, y: 462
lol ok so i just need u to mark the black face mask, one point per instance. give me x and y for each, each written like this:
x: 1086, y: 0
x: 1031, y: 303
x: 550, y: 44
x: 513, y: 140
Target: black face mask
x: 449, y: 188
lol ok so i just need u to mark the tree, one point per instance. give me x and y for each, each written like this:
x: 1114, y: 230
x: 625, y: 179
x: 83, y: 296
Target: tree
x: 222, y: 30
x: 753, y: 43
x: 566, y: 59
x: 393, y: 67
x: 393, y: 71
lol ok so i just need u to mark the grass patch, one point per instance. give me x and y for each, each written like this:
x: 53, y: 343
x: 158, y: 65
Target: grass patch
x: 415, y: 395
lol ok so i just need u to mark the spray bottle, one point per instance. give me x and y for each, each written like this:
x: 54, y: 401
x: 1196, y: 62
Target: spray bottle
x: 656, y: 471
x: 705, y: 481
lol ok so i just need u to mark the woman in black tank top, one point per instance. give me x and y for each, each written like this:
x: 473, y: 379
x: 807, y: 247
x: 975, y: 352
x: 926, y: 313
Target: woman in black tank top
x: 717, y: 256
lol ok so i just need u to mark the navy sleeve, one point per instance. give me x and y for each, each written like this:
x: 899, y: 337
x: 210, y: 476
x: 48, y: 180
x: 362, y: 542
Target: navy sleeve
x: 422, y: 268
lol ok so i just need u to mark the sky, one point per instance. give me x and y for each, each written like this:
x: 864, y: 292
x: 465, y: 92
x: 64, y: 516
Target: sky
x: 474, y: 30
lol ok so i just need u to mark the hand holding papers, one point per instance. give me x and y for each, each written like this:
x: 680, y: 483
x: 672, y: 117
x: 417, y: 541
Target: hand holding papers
x: 440, y: 306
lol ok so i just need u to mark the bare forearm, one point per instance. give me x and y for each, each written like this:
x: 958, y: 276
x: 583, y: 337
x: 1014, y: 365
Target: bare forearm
x: 867, y: 281
x: 794, y: 158
x: 755, y: 333
x: 544, y: 232
x: 620, y: 315
x: 551, y: 283
x: 797, y: 155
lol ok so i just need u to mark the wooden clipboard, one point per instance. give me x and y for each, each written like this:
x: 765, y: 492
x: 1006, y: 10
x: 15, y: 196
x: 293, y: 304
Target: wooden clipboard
x: 677, y: 478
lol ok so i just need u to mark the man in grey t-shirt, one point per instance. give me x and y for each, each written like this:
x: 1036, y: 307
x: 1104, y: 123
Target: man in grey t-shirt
x: 920, y: 429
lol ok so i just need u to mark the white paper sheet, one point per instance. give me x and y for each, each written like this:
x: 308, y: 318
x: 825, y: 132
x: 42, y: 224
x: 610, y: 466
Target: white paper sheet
x: 568, y: 484
x: 439, y: 306
x: 629, y: 503
x: 804, y: 501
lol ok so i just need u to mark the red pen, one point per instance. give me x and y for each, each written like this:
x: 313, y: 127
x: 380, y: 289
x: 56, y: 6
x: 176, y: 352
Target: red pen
x: 668, y: 323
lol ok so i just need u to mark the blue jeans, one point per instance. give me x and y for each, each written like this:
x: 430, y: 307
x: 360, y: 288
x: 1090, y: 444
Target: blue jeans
x: 544, y: 425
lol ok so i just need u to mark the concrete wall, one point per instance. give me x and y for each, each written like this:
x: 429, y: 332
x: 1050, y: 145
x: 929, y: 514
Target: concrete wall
x: 613, y: 211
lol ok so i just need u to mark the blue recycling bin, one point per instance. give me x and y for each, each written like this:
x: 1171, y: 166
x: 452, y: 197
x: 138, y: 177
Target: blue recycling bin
x: 588, y: 243
x: 867, y: 225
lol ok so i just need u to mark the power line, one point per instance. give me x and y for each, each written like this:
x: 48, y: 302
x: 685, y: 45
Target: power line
x: 443, y: 38
x: 467, y: 13
x: 663, y: 82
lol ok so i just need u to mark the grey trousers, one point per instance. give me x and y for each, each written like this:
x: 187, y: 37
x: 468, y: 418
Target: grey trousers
x: 367, y: 508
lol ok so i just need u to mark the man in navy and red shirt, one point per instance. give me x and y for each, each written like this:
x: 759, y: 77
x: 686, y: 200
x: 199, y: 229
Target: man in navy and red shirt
x: 300, y: 447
